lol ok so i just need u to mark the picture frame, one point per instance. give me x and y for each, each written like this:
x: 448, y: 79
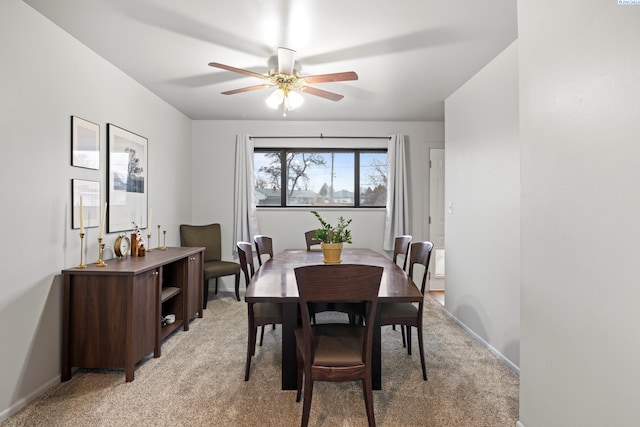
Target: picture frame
x: 127, y: 179
x: 85, y: 143
x: 90, y: 193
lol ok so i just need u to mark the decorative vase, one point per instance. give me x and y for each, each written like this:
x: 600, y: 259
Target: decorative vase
x: 134, y: 244
x: 331, y: 252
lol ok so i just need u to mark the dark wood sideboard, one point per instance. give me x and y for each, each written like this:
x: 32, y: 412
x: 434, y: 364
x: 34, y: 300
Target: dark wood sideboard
x: 112, y: 316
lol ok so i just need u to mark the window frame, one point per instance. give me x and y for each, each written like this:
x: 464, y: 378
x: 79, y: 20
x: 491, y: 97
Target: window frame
x: 356, y: 170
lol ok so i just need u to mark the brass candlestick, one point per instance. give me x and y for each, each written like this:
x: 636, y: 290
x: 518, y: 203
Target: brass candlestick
x: 164, y: 240
x: 100, y: 262
x: 148, y: 241
x: 159, y: 238
x: 82, y: 264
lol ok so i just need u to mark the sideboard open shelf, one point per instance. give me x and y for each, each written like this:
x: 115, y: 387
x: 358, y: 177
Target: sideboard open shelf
x: 113, y: 315
x: 170, y: 301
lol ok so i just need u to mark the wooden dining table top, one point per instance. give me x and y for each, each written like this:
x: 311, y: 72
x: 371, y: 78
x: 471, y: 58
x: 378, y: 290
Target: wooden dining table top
x: 275, y: 281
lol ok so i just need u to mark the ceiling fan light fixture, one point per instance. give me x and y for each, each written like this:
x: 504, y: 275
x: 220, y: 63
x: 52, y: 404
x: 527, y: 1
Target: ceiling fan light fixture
x: 293, y: 100
x: 288, y: 99
x: 275, y: 99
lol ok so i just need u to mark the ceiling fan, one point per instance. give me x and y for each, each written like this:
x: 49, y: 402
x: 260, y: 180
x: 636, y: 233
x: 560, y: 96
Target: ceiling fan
x: 289, y: 82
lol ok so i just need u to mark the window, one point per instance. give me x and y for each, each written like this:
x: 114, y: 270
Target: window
x: 351, y: 178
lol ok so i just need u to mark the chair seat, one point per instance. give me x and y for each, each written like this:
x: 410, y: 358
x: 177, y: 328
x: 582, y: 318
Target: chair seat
x: 394, y: 310
x: 220, y: 268
x: 335, y: 344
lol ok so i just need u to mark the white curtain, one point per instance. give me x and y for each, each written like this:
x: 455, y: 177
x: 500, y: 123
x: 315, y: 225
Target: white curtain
x: 245, y: 223
x: 397, y: 219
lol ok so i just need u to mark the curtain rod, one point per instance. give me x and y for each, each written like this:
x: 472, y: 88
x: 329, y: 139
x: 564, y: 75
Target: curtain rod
x: 320, y: 137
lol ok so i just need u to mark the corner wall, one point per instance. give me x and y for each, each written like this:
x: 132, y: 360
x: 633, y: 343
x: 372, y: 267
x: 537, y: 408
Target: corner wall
x: 45, y: 78
x: 482, y: 198
x: 580, y: 136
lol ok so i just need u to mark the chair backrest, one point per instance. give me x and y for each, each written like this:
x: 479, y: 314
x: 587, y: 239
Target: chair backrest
x: 207, y: 236
x: 401, y: 247
x: 420, y: 254
x: 310, y: 238
x: 264, y: 246
x: 245, y: 254
x: 339, y: 283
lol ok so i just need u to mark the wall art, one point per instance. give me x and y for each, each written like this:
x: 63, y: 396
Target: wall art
x: 85, y: 143
x: 127, y: 179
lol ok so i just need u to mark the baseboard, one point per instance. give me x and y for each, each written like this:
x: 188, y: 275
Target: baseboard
x: 478, y: 338
x: 29, y: 398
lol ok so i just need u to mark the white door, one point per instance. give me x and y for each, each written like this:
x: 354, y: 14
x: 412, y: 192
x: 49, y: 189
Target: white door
x: 436, y: 218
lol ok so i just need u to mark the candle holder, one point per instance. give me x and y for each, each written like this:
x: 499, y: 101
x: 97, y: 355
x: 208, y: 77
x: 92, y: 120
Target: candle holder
x: 148, y: 241
x: 164, y: 241
x: 100, y: 262
x: 82, y: 264
x: 159, y: 238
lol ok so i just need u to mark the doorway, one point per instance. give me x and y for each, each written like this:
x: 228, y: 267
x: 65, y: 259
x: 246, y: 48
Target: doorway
x: 436, y: 219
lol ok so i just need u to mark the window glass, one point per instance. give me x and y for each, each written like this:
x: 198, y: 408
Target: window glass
x: 320, y: 178
x: 373, y: 179
x: 351, y: 178
x: 268, y: 176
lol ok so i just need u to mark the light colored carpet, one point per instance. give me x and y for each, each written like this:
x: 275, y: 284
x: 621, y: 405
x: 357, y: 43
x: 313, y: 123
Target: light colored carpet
x: 198, y: 381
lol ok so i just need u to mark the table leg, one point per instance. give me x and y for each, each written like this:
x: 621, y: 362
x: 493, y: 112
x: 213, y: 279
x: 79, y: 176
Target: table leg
x: 376, y: 358
x: 289, y: 323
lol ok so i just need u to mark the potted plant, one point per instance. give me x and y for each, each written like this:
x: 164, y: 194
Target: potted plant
x: 332, y: 237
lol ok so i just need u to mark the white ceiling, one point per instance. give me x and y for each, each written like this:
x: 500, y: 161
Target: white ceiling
x: 409, y: 54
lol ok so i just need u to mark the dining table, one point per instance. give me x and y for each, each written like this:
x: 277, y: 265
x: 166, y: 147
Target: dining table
x: 275, y: 281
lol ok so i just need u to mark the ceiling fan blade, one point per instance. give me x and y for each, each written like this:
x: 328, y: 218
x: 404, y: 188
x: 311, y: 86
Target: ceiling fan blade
x: 333, y: 77
x: 286, y: 60
x: 246, y: 89
x: 322, y: 93
x: 237, y: 70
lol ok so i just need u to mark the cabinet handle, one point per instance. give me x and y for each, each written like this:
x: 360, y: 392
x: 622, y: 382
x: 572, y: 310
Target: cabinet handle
x: 155, y: 273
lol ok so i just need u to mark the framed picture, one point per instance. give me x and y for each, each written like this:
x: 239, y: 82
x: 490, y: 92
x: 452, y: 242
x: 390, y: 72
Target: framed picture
x: 85, y: 144
x: 127, y: 179
x: 89, y: 192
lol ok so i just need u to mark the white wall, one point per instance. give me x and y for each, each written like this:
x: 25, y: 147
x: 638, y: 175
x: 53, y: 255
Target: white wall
x: 482, y: 182
x: 46, y: 77
x: 580, y: 135
x: 213, y: 170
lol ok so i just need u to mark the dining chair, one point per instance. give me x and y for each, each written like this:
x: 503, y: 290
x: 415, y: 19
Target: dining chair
x: 208, y: 236
x: 259, y: 314
x: 310, y: 238
x: 407, y: 314
x: 336, y: 351
x: 401, y: 247
x: 264, y: 246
